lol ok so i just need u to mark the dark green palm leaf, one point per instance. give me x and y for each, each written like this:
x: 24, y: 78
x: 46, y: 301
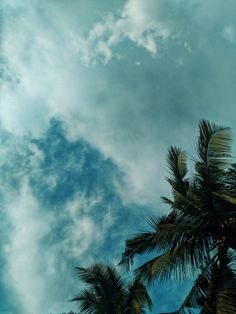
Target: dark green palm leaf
x: 180, y: 263
x: 137, y: 298
x: 89, y: 304
x: 177, y: 165
x: 107, y: 292
x: 214, y: 290
x: 147, y: 241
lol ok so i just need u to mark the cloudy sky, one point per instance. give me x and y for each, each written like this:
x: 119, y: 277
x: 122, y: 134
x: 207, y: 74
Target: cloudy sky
x: 92, y: 95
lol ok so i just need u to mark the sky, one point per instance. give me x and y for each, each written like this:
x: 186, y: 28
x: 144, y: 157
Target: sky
x: 93, y: 93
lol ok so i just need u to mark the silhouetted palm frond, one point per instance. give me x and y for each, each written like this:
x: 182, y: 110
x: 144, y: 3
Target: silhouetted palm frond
x: 107, y: 292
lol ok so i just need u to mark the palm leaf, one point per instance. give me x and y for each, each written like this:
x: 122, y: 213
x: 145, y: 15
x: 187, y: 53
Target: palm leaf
x: 105, y: 283
x: 147, y: 241
x: 180, y: 263
x: 198, y: 291
x: 137, y: 298
x: 214, y: 290
x: 177, y: 166
x: 214, y: 144
x: 88, y: 302
x: 107, y: 292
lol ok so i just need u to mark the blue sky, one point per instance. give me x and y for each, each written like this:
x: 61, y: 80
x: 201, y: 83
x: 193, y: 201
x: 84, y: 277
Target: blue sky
x: 92, y: 95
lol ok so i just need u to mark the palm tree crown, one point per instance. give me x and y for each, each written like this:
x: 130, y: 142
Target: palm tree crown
x: 197, y: 239
x: 106, y: 292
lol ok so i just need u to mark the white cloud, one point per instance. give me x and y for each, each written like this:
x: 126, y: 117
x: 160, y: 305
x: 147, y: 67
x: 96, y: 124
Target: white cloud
x: 84, y: 232
x: 22, y: 252
x: 229, y: 33
x: 143, y: 23
x: 140, y: 22
x: 38, y: 273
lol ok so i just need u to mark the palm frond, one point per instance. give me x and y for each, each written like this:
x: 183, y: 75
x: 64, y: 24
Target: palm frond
x: 137, y: 298
x: 214, y: 290
x: 139, y: 244
x: 104, y: 282
x: 214, y: 144
x: 199, y: 289
x: 180, y: 264
x: 177, y: 162
x: 226, y: 287
x: 177, y: 166
x: 107, y: 292
x: 87, y: 301
x: 147, y: 241
x: 167, y: 201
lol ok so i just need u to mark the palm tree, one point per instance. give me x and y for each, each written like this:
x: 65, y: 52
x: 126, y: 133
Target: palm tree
x: 106, y: 292
x: 198, y: 236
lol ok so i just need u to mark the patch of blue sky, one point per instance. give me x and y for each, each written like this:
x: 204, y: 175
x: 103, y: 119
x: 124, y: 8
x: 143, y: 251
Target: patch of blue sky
x: 69, y: 167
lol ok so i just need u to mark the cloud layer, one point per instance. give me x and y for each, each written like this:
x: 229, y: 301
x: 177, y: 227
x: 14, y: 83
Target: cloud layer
x: 127, y: 79
x: 168, y: 64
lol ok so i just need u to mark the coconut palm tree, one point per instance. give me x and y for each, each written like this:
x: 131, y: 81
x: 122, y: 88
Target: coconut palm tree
x: 106, y: 292
x: 198, y: 235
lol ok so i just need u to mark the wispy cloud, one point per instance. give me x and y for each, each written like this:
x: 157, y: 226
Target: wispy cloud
x: 60, y: 207
x: 22, y: 252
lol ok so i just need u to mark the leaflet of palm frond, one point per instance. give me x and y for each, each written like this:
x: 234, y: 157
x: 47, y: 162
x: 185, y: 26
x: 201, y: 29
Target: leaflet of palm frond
x: 170, y: 232
x: 196, y: 295
x: 214, y: 290
x: 184, y: 203
x: 205, y: 201
x: 192, y: 211
x: 225, y: 206
x: 88, y: 302
x: 214, y: 144
x: 177, y: 162
x: 203, y: 183
x: 107, y: 292
x: 231, y: 199
x: 102, y: 280
x: 127, y: 259
x: 167, y: 201
x: 183, y: 233
x: 230, y: 178
x: 177, y: 165
x: 180, y: 263
x: 137, y: 297
x: 221, y: 295
x: 207, y: 179
x: 143, y: 242
x: 155, y: 222
x: 147, y: 241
